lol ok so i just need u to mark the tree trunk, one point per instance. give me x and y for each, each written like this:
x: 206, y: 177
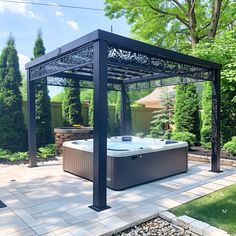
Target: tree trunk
x: 214, y: 18
x: 192, y: 24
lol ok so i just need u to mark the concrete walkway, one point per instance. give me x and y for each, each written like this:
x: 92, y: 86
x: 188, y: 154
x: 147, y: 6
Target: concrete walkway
x: 47, y: 201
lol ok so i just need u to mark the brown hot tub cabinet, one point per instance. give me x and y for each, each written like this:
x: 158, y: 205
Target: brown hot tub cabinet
x: 127, y: 171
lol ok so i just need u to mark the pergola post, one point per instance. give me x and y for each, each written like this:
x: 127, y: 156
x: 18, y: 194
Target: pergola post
x: 31, y: 121
x: 123, y: 110
x: 215, y: 155
x: 100, y: 127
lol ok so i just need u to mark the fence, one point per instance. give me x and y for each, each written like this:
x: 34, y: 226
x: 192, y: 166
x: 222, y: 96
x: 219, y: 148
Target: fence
x: 141, y: 117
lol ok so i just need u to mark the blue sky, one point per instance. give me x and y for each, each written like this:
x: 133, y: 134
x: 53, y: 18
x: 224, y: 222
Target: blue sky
x: 59, y: 25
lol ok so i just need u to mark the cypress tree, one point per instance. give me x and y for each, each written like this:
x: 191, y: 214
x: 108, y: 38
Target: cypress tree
x: 42, y: 101
x: 72, y: 105
x: 206, y: 115
x: 163, y: 117
x: 117, y: 115
x: 12, y: 128
x: 90, y: 115
x: 128, y: 117
x: 186, y: 115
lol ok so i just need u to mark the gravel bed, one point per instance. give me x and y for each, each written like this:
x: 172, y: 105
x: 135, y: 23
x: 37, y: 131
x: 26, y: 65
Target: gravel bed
x: 155, y: 227
x: 41, y: 162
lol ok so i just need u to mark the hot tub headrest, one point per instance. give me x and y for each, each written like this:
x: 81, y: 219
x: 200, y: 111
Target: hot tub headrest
x: 126, y: 138
x: 170, y: 142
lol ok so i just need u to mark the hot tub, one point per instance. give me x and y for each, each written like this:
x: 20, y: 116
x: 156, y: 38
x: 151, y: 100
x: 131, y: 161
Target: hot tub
x: 130, y: 160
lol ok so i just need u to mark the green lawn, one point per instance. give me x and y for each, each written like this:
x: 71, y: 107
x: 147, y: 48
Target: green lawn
x: 217, y: 209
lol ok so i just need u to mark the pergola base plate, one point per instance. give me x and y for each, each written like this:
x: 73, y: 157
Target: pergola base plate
x: 216, y: 171
x: 99, y: 209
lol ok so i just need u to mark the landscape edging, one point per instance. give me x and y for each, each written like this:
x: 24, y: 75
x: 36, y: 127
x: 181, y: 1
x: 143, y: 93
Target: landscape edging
x: 207, y: 159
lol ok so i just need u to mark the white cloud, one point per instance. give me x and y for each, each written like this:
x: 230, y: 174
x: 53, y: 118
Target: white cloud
x: 23, y: 59
x: 73, y: 25
x: 59, y: 13
x: 18, y: 8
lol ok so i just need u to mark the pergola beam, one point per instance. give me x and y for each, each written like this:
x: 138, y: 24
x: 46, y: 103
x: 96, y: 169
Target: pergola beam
x: 123, y: 42
x: 85, y: 77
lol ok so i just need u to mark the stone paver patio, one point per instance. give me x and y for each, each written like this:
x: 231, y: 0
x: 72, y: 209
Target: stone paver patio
x: 48, y: 201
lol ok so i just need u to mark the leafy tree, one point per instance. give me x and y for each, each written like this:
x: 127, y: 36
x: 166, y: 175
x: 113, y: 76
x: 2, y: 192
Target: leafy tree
x: 85, y: 94
x: 186, y: 115
x: 72, y: 105
x: 112, y: 97
x: 206, y: 115
x: 128, y: 118
x: 128, y: 128
x: 58, y: 97
x: 134, y: 95
x: 90, y: 115
x: 163, y: 117
x: 175, y: 23
x: 12, y: 128
x: 42, y: 100
x: 169, y: 23
x: 118, y: 115
x: 222, y: 50
x: 24, y: 88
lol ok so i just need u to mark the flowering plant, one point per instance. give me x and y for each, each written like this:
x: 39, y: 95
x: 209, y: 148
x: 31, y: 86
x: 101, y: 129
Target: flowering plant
x: 77, y: 125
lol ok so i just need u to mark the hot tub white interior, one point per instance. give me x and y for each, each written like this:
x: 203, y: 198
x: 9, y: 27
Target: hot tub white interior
x: 118, y: 148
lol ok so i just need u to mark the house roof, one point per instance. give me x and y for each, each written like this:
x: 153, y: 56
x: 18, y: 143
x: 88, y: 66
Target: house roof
x: 156, y: 95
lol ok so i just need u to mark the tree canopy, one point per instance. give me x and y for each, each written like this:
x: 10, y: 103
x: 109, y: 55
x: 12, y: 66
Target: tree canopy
x: 222, y: 50
x: 173, y: 22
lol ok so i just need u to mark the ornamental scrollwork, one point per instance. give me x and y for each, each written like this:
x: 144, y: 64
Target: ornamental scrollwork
x: 67, y: 62
x: 59, y: 81
x: 156, y: 64
x: 161, y: 83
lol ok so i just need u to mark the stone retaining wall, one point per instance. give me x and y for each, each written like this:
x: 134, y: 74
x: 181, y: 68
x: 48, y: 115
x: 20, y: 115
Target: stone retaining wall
x: 70, y: 133
x: 207, y: 159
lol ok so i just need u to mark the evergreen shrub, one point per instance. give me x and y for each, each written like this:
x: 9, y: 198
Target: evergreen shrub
x: 42, y: 101
x: 186, y: 115
x: 185, y: 137
x: 12, y: 128
x: 230, y: 147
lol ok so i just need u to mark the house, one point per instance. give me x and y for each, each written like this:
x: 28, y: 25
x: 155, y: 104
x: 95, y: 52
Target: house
x: 154, y: 99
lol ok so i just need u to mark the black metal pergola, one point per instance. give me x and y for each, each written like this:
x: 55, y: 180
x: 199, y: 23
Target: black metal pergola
x: 106, y: 61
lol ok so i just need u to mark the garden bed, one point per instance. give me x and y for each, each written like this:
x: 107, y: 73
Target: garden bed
x: 5, y: 161
x: 200, y: 151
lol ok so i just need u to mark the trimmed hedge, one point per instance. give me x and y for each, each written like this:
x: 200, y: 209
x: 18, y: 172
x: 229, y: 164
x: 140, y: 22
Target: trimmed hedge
x: 184, y: 136
x: 230, y: 147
